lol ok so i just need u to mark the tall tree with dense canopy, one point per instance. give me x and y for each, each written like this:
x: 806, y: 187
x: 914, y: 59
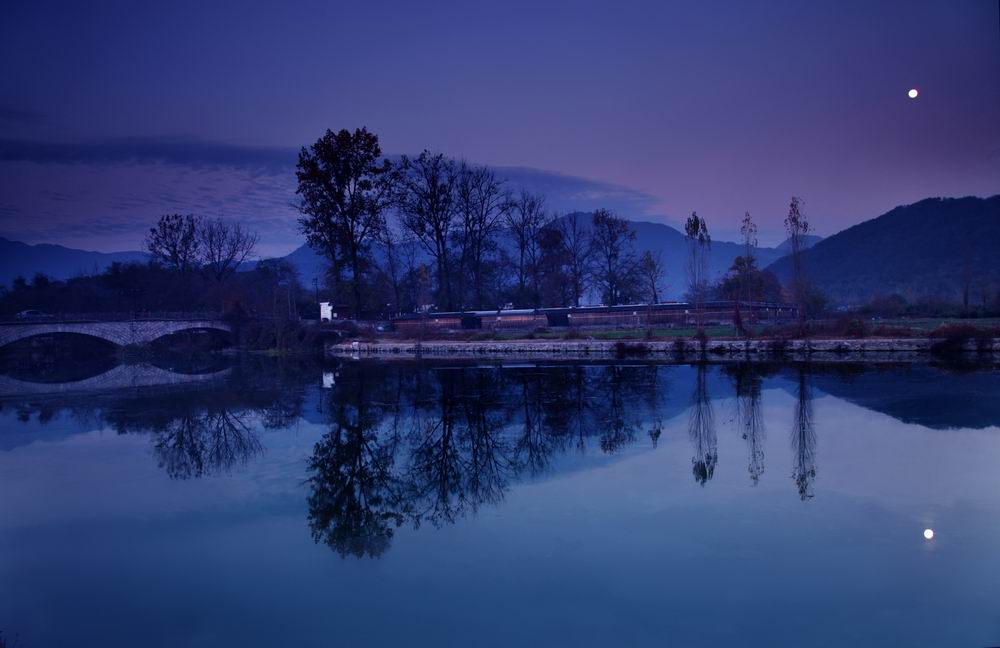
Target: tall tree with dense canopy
x: 344, y: 188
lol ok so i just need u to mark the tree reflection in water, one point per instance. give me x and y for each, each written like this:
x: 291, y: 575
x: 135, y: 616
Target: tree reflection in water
x: 446, y: 441
x: 199, y: 444
x: 354, y: 497
x: 701, y: 429
x: 749, y: 418
x: 803, y: 438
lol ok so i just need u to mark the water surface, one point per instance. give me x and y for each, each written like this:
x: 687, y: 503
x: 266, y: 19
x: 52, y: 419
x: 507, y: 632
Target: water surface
x: 403, y: 503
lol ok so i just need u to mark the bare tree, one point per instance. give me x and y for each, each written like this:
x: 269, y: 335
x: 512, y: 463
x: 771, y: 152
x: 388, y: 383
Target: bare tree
x: 576, y: 245
x: 395, y: 253
x: 797, y: 226
x: 748, y: 231
x: 174, y: 241
x: 482, y: 203
x: 426, y: 201
x: 225, y: 245
x: 699, y: 243
x: 344, y: 187
x: 613, y: 252
x: 525, y: 221
x: 651, y: 272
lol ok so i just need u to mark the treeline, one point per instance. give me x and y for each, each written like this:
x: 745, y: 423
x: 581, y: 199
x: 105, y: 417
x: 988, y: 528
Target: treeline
x: 418, y: 233
x: 270, y: 290
x: 195, y: 267
x: 432, y: 232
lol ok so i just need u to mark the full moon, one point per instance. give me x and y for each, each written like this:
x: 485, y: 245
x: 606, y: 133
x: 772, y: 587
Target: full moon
x: 929, y: 534
x: 912, y: 94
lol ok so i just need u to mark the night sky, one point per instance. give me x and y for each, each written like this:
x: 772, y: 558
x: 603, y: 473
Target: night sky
x: 112, y: 114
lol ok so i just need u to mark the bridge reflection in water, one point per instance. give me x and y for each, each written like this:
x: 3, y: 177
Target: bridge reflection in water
x: 119, y: 332
x: 123, y: 376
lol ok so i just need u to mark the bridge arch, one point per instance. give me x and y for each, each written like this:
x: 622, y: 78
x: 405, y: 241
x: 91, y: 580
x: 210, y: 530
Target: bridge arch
x: 118, y: 333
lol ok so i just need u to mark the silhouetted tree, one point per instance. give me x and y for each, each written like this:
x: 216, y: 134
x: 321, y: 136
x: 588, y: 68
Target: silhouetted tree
x: 426, y: 201
x: 525, y: 221
x: 576, y: 247
x: 797, y: 227
x: 699, y: 243
x: 651, y: 272
x: 612, y: 249
x: 482, y: 204
x: 748, y: 232
x: 174, y: 241
x: 225, y: 246
x: 344, y: 188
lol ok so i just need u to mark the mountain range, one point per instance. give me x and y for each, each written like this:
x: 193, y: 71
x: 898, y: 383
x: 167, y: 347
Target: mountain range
x: 56, y: 261
x: 924, y: 250
x: 655, y: 237
x: 927, y: 249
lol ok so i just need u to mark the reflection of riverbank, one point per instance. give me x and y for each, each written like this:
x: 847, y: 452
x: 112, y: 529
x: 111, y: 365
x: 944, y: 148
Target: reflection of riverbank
x: 827, y: 350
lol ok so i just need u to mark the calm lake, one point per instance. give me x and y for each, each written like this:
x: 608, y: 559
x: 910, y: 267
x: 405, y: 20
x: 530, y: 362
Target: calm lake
x: 252, y: 502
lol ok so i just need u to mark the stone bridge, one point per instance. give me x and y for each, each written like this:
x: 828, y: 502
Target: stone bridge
x: 123, y: 333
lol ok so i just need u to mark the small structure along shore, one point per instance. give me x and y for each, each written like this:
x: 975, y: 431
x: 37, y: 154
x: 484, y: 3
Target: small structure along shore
x: 846, y: 350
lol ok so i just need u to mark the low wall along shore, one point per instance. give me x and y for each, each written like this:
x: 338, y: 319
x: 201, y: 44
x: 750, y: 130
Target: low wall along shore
x: 813, y: 349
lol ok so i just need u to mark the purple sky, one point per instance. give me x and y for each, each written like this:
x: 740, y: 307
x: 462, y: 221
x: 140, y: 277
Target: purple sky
x: 111, y: 115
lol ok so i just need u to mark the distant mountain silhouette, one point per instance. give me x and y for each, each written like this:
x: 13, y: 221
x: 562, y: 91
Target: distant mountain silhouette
x: 668, y: 241
x: 808, y: 241
x: 919, y: 250
x: 656, y: 237
x: 56, y: 261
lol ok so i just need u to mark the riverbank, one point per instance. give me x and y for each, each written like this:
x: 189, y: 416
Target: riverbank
x: 841, y: 349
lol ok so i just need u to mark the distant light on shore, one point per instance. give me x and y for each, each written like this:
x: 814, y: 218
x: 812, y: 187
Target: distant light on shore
x: 913, y: 94
x: 928, y: 534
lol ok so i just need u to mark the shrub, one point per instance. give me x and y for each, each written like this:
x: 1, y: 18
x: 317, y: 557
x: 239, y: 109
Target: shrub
x: 953, y: 338
x: 884, y: 330
x: 855, y: 328
x: 778, y: 346
x: 630, y: 349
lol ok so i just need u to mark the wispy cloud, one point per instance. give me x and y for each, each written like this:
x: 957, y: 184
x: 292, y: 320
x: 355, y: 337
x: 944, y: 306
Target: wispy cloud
x: 104, y: 194
x: 184, y: 151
